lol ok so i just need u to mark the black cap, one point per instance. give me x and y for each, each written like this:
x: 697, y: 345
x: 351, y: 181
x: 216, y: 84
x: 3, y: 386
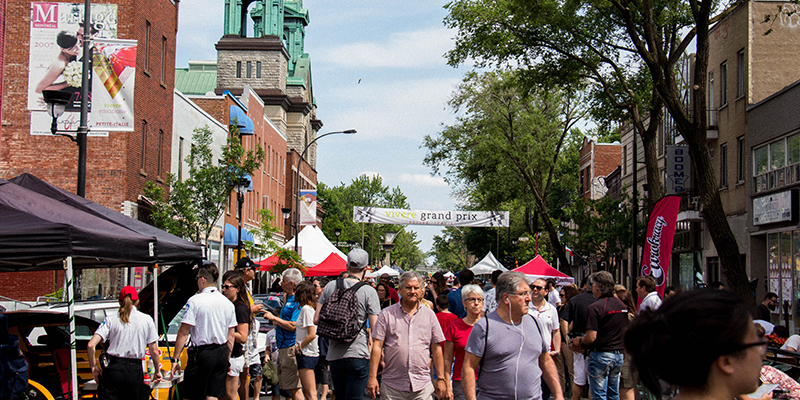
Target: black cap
x: 245, y: 263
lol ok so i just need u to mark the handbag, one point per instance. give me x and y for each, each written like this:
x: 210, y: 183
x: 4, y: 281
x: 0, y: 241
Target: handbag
x: 270, y: 373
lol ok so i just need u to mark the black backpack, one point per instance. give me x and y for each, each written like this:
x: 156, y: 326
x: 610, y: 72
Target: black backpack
x: 338, y: 318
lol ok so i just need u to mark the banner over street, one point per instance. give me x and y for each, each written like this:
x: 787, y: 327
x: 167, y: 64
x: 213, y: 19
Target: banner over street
x: 394, y: 216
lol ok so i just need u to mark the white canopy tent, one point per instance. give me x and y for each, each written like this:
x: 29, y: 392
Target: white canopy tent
x: 314, y: 247
x: 384, y: 270
x: 488, y: 265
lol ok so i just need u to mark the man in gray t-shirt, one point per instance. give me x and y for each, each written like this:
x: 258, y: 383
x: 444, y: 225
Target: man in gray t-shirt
x: 514, y: 356
x: 349, y: 362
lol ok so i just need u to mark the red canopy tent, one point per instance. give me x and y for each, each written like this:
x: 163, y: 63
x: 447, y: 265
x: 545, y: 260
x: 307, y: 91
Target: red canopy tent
x: 539, y: 268
x: 267, y: 263
x: 332, y: 265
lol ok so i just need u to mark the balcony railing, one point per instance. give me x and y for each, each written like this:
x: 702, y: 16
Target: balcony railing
x: 777, y: 178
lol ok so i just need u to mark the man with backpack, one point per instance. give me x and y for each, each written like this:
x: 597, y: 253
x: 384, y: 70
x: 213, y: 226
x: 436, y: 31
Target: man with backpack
x: 344, y: 323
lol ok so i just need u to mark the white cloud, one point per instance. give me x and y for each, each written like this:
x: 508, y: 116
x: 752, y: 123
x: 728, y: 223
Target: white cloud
x: 422, y: 180
x: 410, y: 49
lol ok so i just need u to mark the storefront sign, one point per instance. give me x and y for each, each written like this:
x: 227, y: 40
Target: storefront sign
x: 775, y: 207
x: 396, y: 216
x: 679, y: 167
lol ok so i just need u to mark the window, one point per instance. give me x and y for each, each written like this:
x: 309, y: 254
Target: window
x: 625, y: 160
x: 712, y: 270
x: 740, y: 159
x: 163, y: 59
x: 180, y: 159
x: 741, y: 72
x: 258, y: 69
x: 777, y: 154
x: 238, y: 69
x: 723, y: 165
x: 761, y: 160
x: 160, y: 151
x: 711, y: 103
x: 249, y: 67
x: 581, y: 181
x: 146, y: 45
x: 144, y: 145
x: 723, y: 84
x: 794, y: 149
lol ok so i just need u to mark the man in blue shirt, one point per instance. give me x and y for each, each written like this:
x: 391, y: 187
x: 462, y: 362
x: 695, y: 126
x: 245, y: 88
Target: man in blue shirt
x: 455, y: 303
x: 288, y: 377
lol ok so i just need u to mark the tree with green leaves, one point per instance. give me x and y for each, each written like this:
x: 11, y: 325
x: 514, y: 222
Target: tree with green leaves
x: 644, y: 39
x: 450, y: 249
x: 506, y: 142
x: 366, y: 191
x: 194, y: 205
x: 552, y: 44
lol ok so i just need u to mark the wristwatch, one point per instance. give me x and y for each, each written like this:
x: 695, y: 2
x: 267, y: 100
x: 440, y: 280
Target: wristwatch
x: 174, y: 360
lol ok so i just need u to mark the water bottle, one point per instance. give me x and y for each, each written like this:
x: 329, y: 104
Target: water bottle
x: 147, y: 379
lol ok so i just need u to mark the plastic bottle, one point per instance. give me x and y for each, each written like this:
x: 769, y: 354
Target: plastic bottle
x: 147, y: 379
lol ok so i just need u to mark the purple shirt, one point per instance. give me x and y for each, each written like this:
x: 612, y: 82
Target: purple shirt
x: 407, y: 340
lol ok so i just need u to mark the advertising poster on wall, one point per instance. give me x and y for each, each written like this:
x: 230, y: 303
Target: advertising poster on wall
x: 55, y: 60
x: 308, y: 207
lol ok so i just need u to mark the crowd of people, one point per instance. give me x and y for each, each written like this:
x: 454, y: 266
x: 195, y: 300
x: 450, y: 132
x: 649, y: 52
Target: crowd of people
x: 418, y: 338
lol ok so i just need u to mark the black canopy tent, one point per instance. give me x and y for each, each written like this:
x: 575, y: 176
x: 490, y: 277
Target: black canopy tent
x: 49, y: 229
x: 169, y: 249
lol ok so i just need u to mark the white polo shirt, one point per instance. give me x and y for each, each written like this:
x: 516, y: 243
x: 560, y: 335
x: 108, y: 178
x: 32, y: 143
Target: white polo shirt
x: 128, y: 340
x: 650, y: 302
x: 548, y: 321
x: 210, y: 314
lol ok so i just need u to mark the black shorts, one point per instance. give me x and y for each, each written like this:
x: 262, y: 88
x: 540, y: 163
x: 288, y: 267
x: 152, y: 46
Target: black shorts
x: 321, y: 374
x: 205, y: 372
x: 123, y: 379
x: 255, y: 370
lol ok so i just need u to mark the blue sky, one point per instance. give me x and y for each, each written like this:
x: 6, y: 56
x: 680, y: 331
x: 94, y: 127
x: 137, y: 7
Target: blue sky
x: 377, y: 67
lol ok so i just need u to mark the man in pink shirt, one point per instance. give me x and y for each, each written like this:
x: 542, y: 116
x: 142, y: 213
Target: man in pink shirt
x: 407, y: 334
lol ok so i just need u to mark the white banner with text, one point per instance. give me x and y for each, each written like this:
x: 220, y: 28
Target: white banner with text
x: 394, y: 216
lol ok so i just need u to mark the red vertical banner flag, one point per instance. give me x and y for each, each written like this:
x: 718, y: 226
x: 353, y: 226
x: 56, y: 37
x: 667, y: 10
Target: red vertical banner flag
x: 658, y: 242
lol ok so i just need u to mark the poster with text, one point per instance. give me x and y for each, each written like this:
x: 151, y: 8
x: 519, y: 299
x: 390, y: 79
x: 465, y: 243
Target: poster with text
x: 113, y: 73
x: 56, y: 56
x: 308, y: 207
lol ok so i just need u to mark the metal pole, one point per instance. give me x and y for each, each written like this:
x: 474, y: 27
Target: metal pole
x: 83, y: 128
x: 72, y: 342
x: 634, y: 265
x: 240, y: 201
x: 297, y: 185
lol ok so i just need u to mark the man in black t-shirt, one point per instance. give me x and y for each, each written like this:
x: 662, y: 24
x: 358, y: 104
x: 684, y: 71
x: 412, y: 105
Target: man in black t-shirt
x: 607, y: 319
x: 574, y: 313
x: 764, y: 310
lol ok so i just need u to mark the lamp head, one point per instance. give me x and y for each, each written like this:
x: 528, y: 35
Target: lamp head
x: 287, y: 212
x: 56, y: 102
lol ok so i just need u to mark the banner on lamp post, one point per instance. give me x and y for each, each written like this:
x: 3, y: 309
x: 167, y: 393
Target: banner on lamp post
x: 658, y: 242
x: 113, y: 76
x: 394, y: 216
x: 308, y: 207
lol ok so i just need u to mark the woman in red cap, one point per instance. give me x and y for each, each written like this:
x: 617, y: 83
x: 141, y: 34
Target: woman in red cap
x: 128, y: 334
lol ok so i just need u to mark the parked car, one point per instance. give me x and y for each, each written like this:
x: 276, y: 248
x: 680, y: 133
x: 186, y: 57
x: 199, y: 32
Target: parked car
x: 44, y: 340
x: 272, y: 303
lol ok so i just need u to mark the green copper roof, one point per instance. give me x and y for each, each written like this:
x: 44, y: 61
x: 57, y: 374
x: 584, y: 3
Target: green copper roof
x: 195, y: 82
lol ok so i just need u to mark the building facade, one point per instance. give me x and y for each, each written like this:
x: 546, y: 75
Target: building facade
x: 118, y: 163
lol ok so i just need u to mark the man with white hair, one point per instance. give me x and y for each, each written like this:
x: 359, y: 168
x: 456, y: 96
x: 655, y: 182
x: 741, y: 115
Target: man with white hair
x: 546, y: 314
x: 288, y: 376
x: 405, y: 336
x: 349, y: 361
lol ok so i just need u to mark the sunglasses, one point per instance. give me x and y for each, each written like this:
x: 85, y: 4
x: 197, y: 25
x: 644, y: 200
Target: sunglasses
x: 228, y: 287
x: 534, y: 287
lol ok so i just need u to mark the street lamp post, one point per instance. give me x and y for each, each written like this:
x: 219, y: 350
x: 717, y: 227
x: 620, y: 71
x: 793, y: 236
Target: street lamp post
x: 388, y: 246
x: 241, y: 188
x: 297, y: 184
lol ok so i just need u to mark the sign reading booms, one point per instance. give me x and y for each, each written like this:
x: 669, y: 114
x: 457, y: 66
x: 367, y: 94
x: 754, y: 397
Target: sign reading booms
x: 394, y: 216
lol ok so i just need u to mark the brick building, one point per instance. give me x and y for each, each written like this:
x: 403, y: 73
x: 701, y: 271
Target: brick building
x: 118, y: 163
x: 596, y: 162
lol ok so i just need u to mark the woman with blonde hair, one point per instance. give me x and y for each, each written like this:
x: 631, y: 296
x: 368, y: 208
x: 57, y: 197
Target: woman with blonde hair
x: 129, y: 333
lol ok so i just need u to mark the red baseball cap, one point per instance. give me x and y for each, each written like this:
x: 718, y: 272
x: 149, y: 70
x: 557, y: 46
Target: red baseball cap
x: 128, y: 291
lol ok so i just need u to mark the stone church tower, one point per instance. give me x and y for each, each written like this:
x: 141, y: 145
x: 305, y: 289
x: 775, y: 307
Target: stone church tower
x: 273, y: 63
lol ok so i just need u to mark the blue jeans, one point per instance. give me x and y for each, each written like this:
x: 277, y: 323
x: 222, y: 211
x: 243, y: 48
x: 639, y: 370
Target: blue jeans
x: 349, y: 377
x: 603, y: 369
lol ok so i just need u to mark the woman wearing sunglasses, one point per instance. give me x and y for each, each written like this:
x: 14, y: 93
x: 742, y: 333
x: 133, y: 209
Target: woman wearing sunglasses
x: 233, y: 288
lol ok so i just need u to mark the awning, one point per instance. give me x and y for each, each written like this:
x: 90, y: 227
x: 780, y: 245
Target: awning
x: 238, y: 117
x: 231, y: 237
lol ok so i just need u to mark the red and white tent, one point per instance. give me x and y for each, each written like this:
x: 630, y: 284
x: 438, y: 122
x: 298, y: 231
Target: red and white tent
x: 539, y: 268
x: 316, y: 251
